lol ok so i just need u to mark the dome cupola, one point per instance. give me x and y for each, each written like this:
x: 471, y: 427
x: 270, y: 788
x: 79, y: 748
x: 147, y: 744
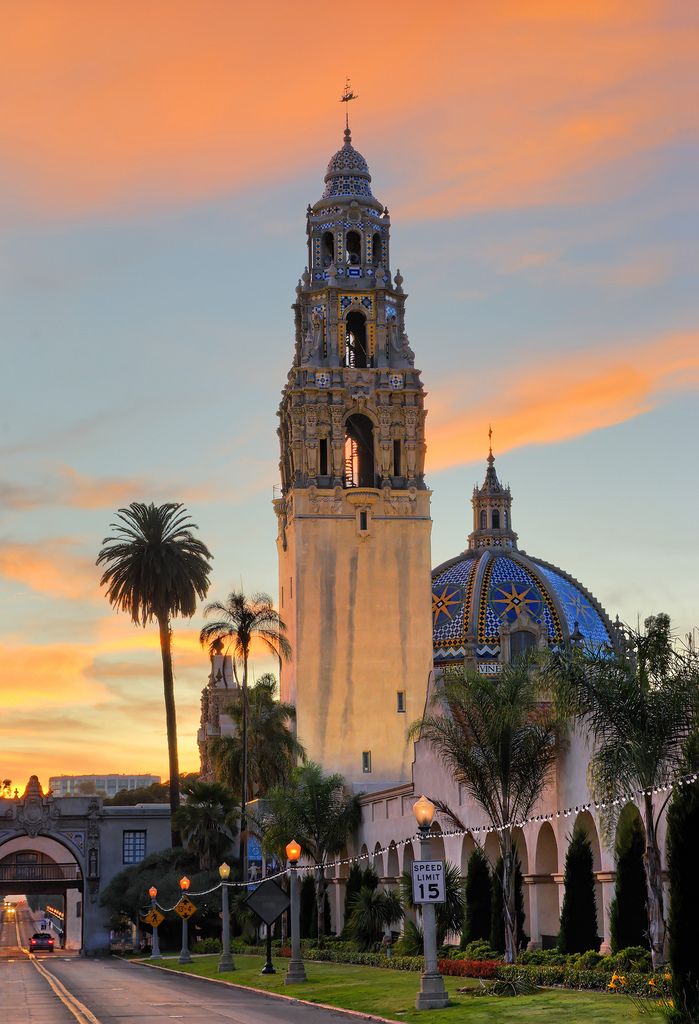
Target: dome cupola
x: 492, y: 511
x: 347, y: 173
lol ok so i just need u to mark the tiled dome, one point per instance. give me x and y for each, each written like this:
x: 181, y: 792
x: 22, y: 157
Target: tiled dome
x: 478, y: 593
x: 347, y: 173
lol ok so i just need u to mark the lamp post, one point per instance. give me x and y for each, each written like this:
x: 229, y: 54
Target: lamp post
x: 226, y: 961
x: 185, y: 957
x: 297, y: 971
x: 155, y: 948
x: 432, y: 994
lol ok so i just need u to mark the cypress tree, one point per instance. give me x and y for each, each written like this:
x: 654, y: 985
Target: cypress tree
x: 578, y: 931
x: 479, y: 896
x: 628, y: 919
x: 682, y: 844
x: 497, y: 922
x: 307, y: 908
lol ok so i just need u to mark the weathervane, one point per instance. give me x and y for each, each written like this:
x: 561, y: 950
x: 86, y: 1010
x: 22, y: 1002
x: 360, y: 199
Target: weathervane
x: 347, y: 96
x: 490, y: 437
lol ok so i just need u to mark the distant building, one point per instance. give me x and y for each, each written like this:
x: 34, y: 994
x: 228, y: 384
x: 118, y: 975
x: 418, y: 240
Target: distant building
x: 105, y: 785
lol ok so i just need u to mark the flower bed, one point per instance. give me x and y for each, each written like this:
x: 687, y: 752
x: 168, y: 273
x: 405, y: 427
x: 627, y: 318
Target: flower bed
x: 656, y: 984
x: 470, y: 968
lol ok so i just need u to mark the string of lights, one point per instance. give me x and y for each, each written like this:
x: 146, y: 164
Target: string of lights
x: 566, y: 812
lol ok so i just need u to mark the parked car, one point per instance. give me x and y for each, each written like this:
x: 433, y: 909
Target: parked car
x: 41, y: 940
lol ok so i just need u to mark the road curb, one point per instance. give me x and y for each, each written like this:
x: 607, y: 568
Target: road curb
x: 355, y: 1014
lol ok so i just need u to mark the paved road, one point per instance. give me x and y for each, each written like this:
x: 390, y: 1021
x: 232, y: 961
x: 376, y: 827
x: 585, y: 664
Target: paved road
x: 115, y: 992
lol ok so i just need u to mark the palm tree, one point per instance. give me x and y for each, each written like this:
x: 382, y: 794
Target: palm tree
x: 372, y: 911
x: 156, y: 569
x: 239, y: 622
x: 273, y: 750
x: 207, y: 821
x: 498, y: 738
x: 640, y: 704
x: 317, y: 811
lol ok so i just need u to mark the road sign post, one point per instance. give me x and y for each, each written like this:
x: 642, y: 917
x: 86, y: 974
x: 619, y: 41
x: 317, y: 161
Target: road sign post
x: 428, y: 881
x: 185, y: 908
x: 269, y: 902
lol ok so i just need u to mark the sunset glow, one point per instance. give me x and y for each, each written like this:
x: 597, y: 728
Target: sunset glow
x: 539, y: 161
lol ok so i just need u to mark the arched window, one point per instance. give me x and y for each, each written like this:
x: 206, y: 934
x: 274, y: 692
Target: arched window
x: 484, y: 519
x: 506, y: 519
x: 376, y: 250
x: 353, y: 255
x: 496, y: 519
x: 355, y: 341
x: 359, y: 452
x: 327, y: 248
x: 521, y: 641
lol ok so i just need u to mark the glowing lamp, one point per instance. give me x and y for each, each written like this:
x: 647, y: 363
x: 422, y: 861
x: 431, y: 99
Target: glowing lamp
x: 423, y: 809
x: 224, y: 871
x: 184, y: 883
x: 293, y: 851
x: 152, y: 892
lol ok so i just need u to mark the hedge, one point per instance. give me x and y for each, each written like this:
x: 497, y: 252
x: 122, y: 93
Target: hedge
x: 633, y: 983
x: 470, y: 968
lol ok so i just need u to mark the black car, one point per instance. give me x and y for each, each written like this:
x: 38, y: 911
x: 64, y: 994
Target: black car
x: 41, y: 940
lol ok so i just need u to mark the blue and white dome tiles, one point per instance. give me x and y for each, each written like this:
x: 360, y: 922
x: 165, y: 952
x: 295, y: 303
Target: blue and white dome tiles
x: 493, y: 589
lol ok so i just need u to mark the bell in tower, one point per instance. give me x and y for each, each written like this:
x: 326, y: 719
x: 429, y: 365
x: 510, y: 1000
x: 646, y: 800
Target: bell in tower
x: 354, y: 512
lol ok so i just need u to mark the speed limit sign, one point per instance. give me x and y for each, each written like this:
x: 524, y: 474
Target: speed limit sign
x: 428, y: 881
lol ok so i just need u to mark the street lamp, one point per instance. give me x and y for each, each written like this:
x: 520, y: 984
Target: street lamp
x: 185, y: 957
x: 155, y: 947
x: 432, y: 994
x: 296, y: 972
x: 226, y: 961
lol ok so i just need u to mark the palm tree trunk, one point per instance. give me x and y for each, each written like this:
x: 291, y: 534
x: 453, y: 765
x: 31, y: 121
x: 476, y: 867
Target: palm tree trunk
x: 170, y: 720
x: 508, y: 896
x: 654, y: 885
x: 244, y: 798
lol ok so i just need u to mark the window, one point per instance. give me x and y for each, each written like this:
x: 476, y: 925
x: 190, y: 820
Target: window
x: 366, y: 761
x: 396, y: 458
x: 376, y: 253
x: 134, y: 846
x: 356, y: 353
x: 400, y: 702
x: 323, y: 456
x: 496, y: 519
x: 483, y: 519
x: 521, y: 641
x: 353, y: 256
x: 359, y: 451
x: 363, y: 521
x: 327, y: 248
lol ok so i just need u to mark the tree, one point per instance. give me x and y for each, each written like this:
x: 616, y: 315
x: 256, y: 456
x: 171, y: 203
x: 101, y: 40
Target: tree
x: 6, y: 788
x: 640, y: 704
x: 498, y: 738
x: 479, y: 895
x: 497, y: 920
x: 273, y: 750
x: 682, y: 846
x: 579, y: 914
x: 207, y: 821
x: 449, y: 916
x: 316, y: 811
x: 628, y: 914
x: 239, y: 622
x: 157, y: 569
x: 372, y: 912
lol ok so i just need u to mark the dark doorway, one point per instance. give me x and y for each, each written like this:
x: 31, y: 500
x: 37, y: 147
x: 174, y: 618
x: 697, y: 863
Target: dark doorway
x: 353, y: 255
x: 327, y: 248
x: 355, y: 341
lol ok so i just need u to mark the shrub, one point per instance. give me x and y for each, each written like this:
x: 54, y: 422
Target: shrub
x: 479, y: 897
x: 544, y: 957
x: 479, y: 950
x: 469, y: 968
x: 207, y: 946
x: 628, y: 919
x: 587, y: 961
x: 682, y: 842
x: 578, y: 931
x: 411, y: 941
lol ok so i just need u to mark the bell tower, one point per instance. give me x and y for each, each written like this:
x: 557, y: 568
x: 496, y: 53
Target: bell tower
x: 354, y: 512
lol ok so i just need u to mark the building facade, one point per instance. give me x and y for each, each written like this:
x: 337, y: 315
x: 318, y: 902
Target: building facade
x: 104, y: 785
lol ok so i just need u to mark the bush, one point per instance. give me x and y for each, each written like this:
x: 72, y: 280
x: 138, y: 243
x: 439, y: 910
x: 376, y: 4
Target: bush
x: 543, y: 957
x: 682, y: 842
x: 479, y: 950
x: 207, y: 946
x: 631, y: 982
x: 479, y: 896
x: 578, y: 931
x: 469, y: 968
x: 587, y: 961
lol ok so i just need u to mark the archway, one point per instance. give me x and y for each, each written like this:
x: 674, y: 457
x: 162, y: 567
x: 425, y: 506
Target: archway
x: 586, y: 822
x: 359, y: 451
x: 468, y: 845
x: 392, y: 868
x: 356, y: 348
x: 40, y: 867
x: 545, y: 867
x: 378, y: 861
x: 520, y: 844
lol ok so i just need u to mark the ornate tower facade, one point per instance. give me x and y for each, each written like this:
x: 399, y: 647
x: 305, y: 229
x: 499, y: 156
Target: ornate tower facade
x: 354, y: 512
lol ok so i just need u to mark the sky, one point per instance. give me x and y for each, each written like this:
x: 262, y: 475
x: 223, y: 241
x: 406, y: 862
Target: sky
x: 540, y: 163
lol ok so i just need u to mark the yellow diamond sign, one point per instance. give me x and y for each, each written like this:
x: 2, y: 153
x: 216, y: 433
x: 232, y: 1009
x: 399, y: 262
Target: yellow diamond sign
x: 154, y: 918
x: 185, y: 908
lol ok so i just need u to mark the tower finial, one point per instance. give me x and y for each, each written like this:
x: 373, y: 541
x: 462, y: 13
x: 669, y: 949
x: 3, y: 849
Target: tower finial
x: 491, y: 457
x: 346, y: 97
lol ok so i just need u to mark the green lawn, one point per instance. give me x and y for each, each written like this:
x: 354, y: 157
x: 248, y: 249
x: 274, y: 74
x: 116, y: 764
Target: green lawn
x: 392, y: 994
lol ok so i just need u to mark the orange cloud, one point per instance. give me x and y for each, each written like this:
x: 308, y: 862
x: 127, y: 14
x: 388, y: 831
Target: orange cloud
x: 562, y: 399
x: 511, y: 102
x: 49, y: 567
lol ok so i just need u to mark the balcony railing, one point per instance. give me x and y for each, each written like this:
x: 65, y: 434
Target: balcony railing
x: 39, y: 873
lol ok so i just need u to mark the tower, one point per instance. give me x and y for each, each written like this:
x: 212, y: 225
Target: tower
x: 492, y: 512
x: 354, y: 512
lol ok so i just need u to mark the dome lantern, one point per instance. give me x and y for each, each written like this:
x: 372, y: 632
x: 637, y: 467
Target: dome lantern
x: 492, y: 511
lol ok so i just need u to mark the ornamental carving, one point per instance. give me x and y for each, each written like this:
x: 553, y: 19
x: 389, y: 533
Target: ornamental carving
x: 325, y: 504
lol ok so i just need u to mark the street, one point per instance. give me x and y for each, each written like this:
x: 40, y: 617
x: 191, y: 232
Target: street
x: 108, y: 991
